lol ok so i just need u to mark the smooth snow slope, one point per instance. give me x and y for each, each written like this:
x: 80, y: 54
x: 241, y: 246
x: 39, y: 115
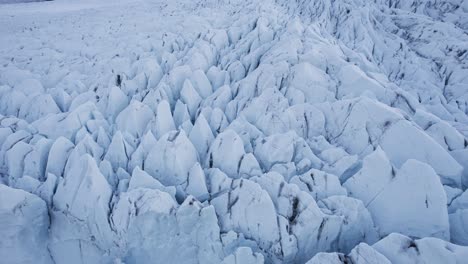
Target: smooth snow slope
x: 277, y: 131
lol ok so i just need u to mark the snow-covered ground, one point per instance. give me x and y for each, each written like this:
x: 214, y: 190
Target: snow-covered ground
x: 234, y: 131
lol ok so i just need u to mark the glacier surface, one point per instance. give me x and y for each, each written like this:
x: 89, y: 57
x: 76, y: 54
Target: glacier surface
x: 234, y: 131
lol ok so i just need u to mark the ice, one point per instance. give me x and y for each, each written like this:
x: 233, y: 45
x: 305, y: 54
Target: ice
x: 81, y: 212
x: 36, y: 161
x: 327, y: 258
x: 116, y: 101
x: 137, y: 202
x: 397, y: 248
x: 220, y: 98
x: 247, y: 207
x: 458, y: 213
x: 25, y: 221
x: 312, y: 82
x: 451, y: 193
x: 461, y: 156
x: 234, y: 131
x: 47, y: 189
x: 445, y: 134
x: 171, y: 158
x: 276, y: 149
x: 151, y: 69
x: 249, y: 166
x: 243, y: 255
x: 67, y: 125
x: 141, y: 179
x: 152, y: 231
x: 376, y: 172
x: 449, y: 170
x: 141, y: 152
x: 37, y: 106
x: 58, y: 156
x: 14, y: 158
x: 458, y: 233
x: 201, y: 136
x: 226, y: 153
x: 319, y: 184
x: 358, y: 225
x: 304, y: 229
x: 134, y: 118
x: 351, y: 123
x: 236, y: 71
x: 217, y: 77
x: 362, y: 253
x: 402, y: 249
x: 196, y: 183
x: 181, y: 114
x: 201, y: 83
x: 191, y: 98
x: 164, y: 121
x: 118, y: 152
x: 415, y: 191
x: 355, y: 82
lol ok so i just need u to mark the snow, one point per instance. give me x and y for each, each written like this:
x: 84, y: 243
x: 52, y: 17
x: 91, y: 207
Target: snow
x: 142, y: 131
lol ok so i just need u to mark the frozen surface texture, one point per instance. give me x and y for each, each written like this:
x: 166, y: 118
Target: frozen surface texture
x: 234, y: 131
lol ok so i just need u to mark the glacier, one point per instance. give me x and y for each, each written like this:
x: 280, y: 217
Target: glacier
x: 234, y: 131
